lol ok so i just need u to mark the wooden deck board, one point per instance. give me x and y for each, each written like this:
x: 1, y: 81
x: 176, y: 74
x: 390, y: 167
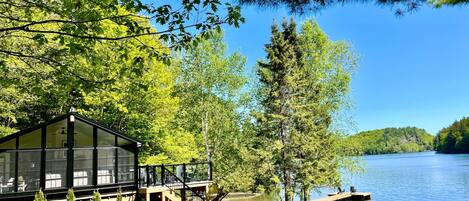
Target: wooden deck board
x: 347, y: 196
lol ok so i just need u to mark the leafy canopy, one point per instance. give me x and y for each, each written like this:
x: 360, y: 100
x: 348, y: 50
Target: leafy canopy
x: 454, y: 138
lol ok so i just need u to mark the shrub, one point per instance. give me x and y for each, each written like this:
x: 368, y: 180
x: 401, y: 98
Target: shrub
x: 70, y: 195
x: 96, y: 196
x: 39, y: 196
x: 119, y: 195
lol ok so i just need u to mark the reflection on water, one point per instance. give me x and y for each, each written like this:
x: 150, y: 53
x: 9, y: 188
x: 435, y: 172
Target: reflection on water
x: 423, y: 176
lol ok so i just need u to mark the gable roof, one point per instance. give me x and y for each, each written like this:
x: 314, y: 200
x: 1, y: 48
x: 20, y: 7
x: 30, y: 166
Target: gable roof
x: 76, y: 116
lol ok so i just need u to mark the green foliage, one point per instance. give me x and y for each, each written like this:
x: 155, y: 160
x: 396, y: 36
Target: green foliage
x: 79, y: 25
x: 70, y: 195
x: 454, y: 138
x: 391, y: 140
x: 210, y: 86
x: 120, y: 84
x: 312, y: 6
x: 96, y: 196
x: 39, y: 196
x: 303, y: 84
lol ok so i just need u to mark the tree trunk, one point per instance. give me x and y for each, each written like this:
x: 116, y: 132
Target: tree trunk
x: 205, y: 134
x: 220, y: 195
x: 306, y: 194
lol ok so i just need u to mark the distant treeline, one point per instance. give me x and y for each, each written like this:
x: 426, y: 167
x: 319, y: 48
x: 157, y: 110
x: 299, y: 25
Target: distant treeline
x: 455, y: 138
x: 391, y: 140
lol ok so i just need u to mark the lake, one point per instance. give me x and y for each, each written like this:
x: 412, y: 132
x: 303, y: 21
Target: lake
x: 414, y: 177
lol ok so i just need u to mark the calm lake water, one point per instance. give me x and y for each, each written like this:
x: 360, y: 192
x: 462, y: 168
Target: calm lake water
x: 425, y: 176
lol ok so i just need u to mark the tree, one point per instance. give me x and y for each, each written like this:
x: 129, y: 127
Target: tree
x: 303, y: 84
x: 392, y: 140
x: 454, y: 138
x: 284, y: 56
x: 79, y: 24
x: 131, y: 91
x: 302, y: 7
x: 210, y: 89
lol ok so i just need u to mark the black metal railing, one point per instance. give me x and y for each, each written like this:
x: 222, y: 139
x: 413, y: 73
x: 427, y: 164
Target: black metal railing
x: 175, y: 184
x: 164, y: 175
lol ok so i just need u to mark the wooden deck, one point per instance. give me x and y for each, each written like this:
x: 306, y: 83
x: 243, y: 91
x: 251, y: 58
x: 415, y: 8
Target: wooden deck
x: 167, y: 192
x: 347, y: 197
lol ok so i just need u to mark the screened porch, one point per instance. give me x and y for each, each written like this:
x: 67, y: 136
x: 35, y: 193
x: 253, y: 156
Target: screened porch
x: 70, y: 151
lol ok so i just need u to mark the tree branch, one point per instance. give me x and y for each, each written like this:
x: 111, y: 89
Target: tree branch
x: 26, y: 28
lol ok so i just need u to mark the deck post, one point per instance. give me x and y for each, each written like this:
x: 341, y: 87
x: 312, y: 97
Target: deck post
x: 70, y: 144
x: 184, y: 172
x: 95, y: 156
x: 154, y: 175
x: 147, y: 173
x: 210, y: 170
x: 183, y: 192
x: 162, y: 175
x: 116, y: 161
x: 42, y: 178
x: 15, y: 183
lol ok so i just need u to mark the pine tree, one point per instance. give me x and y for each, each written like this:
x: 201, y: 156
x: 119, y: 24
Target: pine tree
x: 303, y: 83
x: 276, y: 89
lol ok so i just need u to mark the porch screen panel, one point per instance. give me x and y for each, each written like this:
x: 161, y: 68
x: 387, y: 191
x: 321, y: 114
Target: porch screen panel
x: 7, y: 171
x: 83, y: 134
x: 56, y: 135
x: 106, y: 139
x: 10, y: 144
x: 56, y: 168
x: 106, y: 165
x: 30, y: 140
x: 29, y: 168
x: 126, y: 165
x: 83, y: 167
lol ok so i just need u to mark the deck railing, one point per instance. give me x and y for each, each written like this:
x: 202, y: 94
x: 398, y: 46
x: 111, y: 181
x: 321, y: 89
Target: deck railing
x: 161, y: 175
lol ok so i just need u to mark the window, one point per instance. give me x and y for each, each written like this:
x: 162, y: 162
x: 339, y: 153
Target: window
x: 56, y: 134
x: 30, y: 140
x: 7, y: 171
x: 83, y: 134
x: 10, y: 144
x: 105, y: 138
x: 83, y: 167
x: 106, y: 166
x: 29, y: 163
x: 123, y: 142
x: 126, y: 165
x: 56, y: 168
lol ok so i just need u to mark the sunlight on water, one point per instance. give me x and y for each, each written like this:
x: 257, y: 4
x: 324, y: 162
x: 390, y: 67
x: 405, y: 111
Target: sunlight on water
x: 423, y: 176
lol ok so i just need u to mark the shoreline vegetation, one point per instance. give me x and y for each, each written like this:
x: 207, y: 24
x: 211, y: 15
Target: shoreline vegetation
x: 454, y: 139
x: 390, y: 141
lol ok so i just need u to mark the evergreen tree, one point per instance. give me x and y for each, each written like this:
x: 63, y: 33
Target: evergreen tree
x: 454, y: 138
x: 303, y: 84
x: 276, y: 80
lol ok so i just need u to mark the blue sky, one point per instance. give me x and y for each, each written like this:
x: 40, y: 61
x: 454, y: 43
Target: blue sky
x: 414, y: 70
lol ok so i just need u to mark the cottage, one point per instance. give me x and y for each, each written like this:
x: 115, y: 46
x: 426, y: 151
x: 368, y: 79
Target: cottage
x: 72, y: 151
